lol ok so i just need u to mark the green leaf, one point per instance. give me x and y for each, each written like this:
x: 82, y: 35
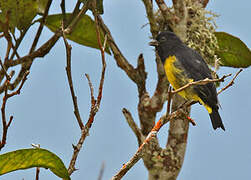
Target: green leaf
x: 232, y: 51
x: 28, y: 158
x: 20, y: 12
x: 84, y: 33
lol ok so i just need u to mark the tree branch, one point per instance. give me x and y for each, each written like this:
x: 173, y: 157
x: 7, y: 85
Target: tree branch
x: 69, y: 77
x: 163, y: 8
x: 133, y: 126
x: 150, y: 15
x: 101, y: 172
x: 95, y: 103
x: 231, y: 82
x: 41, y: 26
x: 6, y: 96
x: 200, y: 82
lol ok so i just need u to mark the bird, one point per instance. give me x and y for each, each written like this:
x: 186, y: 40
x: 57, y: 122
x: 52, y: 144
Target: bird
x: 184, y: 65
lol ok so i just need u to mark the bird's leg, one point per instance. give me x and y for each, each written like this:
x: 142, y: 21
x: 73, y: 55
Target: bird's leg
x: 186, y: 104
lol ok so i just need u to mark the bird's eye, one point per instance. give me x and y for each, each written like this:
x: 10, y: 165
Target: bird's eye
x: 162, y: 39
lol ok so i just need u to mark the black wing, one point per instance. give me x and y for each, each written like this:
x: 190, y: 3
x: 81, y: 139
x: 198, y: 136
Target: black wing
x: 197, y: 69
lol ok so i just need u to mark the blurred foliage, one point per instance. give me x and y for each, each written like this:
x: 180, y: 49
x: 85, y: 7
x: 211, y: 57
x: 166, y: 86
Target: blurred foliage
x: 19, y: 13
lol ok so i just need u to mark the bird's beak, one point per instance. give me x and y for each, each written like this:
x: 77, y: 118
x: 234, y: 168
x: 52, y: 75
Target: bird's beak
x: 154, y: 43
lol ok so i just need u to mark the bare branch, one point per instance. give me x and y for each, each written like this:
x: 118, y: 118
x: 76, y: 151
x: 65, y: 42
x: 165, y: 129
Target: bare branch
x: 93, y: 101
x: 6, y: 96
x: 62, y: 5
x: 231, y: 82
x: 133, y: 126
x: 18, y: 42
x: 78, y: 147
x: 201, y: 82
x: 169, y: 100
x: 4, y: 70
x: 21, y: 85
x: 163, y: 8
x: 37, y: 173
x: 102, y: 51
x: 150, y: 15
x: 101, y: 172
x: 41, y: 26
x: 76, y: 150
x: 69, y: 77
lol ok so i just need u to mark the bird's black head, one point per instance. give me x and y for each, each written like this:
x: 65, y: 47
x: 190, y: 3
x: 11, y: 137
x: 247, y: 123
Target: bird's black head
x: 166, y: 43
x: 165, y: 38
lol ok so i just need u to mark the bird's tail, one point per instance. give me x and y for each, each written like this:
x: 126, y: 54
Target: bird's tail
x: 216, y: 119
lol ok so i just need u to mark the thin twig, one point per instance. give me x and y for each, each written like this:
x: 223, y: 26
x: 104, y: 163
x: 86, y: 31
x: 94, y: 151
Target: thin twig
x: 62, y: 5
x: 70, y: 82
x: 150, y: 15
x: 74, y: 22
x: 41, y: 26
x: 18, y: 42
x: 37, y: 173
x: 21, y: 85
x: 6, y: 96
x: 76, y: 150
x: 101, y: 172
x: 133, y: 125
x: 5, y: 71
x: 231, y: 82
x: 201, y: 82
x: 102, y: 51
x: 169, y: 100
x: 93, y: 101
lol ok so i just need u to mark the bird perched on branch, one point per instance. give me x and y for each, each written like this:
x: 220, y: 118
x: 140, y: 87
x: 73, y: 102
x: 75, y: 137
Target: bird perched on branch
x: 183, y: 65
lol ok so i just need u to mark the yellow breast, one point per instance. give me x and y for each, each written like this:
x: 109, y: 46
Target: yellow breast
x: 172, y: 71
